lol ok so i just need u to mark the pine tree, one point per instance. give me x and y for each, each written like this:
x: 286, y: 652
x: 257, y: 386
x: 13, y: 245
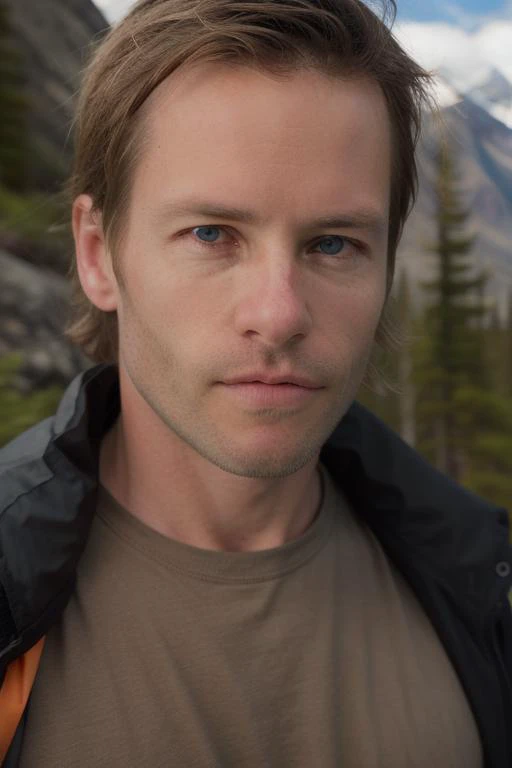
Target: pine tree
x: 450, y: 357
x: 487, y: 425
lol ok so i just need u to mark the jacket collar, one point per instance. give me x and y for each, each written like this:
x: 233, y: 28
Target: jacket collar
x: 432, y: 528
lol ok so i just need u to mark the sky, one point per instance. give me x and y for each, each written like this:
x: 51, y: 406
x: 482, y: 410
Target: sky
x: 465, y: 38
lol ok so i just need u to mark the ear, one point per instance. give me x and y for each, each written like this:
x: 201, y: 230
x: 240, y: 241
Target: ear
x: 92, y: 258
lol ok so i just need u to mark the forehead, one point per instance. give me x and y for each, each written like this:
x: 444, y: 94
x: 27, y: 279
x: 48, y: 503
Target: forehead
x: 302, y: 136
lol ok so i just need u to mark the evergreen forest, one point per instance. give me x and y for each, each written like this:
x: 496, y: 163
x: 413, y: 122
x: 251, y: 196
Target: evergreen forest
x: 446, y: 386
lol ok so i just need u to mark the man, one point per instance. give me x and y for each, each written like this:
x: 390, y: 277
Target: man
x: 211, y: 556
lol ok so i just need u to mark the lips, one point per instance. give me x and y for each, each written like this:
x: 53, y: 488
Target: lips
x: 257, y: 392
x: 258, y: 378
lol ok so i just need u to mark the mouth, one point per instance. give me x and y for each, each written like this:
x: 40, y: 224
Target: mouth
x: 274, y: 381
x: 255, y: 393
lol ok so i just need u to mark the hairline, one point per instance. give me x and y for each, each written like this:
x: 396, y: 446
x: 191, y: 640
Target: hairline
x: 141, y: 131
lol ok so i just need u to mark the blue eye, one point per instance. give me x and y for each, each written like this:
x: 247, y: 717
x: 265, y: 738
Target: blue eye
x: 333, y: 245
x: 207, y: 234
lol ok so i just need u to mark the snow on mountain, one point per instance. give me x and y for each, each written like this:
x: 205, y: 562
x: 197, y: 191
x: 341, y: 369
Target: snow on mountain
x: 445, y: 94
x: 477, y: 123
x: 491, y: 92
x: 495, y: 96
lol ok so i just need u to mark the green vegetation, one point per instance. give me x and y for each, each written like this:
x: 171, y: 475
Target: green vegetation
x: 453, y: 374
x: 36, y: 225
x: 32, y: 224
x: 19, y: 412
x: 450, y: 358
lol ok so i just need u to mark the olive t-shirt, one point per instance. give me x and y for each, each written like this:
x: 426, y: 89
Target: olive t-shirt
x: 315, y: 654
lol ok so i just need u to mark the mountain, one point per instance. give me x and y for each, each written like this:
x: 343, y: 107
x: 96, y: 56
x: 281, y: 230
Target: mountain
x: 445, y: 92
x: 46, y: 42
x: 479, y: 131
x: 52, y: 39
x: 495, y: 96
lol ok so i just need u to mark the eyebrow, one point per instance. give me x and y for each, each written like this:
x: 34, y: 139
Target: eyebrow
x: 359, y: 219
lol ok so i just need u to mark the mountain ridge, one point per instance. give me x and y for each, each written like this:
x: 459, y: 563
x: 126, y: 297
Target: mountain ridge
x: 481, y: 144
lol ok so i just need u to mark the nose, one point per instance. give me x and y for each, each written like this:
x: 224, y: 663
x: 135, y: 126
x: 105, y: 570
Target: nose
x: 272, y: 304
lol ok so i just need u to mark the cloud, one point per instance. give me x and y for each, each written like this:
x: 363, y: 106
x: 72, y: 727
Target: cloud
x: 494, y: 41
x: 467, y: 48
x: 467, y: 55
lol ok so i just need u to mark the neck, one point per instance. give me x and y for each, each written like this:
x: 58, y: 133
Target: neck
x: 178, y: 493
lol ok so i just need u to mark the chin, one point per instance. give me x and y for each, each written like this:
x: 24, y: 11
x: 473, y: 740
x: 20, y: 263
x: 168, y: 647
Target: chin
x: 264, y: 464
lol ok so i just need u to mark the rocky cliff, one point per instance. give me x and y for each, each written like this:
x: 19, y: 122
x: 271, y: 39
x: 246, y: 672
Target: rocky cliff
x: 51, y: 39
x: 33, y: 313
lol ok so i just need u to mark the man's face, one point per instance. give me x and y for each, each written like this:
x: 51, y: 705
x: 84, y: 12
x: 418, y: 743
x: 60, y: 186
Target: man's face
x: 228, y: 274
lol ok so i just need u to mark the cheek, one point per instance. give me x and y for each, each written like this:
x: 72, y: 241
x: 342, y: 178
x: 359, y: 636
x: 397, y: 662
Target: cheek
x: 161, y: 329
x: 356, y: 312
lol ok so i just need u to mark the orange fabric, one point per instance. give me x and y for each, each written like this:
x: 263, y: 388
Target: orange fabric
x: 14, y: 694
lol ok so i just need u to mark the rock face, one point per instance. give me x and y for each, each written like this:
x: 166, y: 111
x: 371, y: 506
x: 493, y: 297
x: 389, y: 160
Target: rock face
x: 53, y: 39
x: 33, y: 314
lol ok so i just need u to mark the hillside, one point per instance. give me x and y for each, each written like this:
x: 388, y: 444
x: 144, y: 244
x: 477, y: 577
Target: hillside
x: 44, y: 47
x: 482, y: 149
x: 53, y: 39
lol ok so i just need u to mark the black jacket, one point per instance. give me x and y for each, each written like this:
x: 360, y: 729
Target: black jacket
x: 451, y: 546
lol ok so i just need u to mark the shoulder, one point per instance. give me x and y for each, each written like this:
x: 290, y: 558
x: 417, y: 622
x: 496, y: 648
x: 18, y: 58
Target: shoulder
x: 411, y: 504
x: 48, y: 481
x: 388, y: 462
x: 82, y: 416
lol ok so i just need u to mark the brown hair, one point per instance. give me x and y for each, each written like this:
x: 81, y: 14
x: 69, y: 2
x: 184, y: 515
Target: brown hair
x: 337, y: 37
